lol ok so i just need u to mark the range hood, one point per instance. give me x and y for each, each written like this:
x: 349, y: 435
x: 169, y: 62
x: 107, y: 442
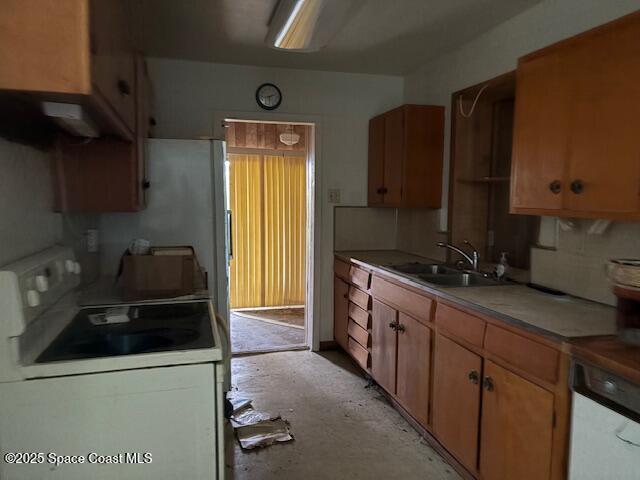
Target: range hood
x: 72, y: 118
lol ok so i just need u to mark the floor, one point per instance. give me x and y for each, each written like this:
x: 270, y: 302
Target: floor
x: 252, y: 335
x: 342, y: 429
x: 287, y: 315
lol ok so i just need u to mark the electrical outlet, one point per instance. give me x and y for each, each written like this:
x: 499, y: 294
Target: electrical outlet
x: 92, y: 240
x: 334, y: 195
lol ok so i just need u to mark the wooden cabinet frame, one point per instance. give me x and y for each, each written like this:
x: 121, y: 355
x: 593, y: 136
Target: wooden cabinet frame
x: 549, y: 374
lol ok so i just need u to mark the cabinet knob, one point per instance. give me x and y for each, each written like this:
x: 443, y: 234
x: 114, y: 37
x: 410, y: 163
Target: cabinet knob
x: 401, y: 328
x: 577, y: 187
x: 146, y: 185
x: 123, y: 87
x: 346, y: 295
x: 152, y: 121
x: 487, y: 383
x: 382, y: 190
x: 393, y: 326
x: 555, y: 186
x: 474, y: 376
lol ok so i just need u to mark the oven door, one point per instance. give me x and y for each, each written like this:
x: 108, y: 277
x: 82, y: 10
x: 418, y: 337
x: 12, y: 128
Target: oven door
x: 604, y: 443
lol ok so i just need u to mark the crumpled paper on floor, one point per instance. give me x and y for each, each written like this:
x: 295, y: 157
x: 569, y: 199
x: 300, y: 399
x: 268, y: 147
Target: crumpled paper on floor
x: 264, y: 433
x: 256, y: 429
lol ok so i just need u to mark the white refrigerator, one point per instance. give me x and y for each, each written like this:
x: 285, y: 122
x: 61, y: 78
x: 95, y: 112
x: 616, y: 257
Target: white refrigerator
x: 186, y: 205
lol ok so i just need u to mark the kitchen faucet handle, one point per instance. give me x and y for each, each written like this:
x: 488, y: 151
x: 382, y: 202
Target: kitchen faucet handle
x: 469, y: 244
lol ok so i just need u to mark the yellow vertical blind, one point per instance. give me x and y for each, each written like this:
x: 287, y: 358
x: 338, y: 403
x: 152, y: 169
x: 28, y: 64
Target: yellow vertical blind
x: 268, y: 204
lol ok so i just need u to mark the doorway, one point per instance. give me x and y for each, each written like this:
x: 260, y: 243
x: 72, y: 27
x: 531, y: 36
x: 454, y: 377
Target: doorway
x: 267, y: 196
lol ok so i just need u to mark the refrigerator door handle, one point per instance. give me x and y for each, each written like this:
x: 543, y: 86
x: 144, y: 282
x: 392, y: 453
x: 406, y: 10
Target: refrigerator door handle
x: 230, y: 233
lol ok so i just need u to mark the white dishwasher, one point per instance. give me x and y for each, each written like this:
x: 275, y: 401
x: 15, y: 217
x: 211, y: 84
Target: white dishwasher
x: 605, y: 426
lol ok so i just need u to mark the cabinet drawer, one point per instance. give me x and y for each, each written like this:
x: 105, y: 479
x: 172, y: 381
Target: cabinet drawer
x: 341, y: 269
x: 360, y: 316
x: 460, y: 324
x: 360, y: 277
x: 359, y: 334
x: 532, y: 357
x: 360, y: 298
x: 359, y: 353
x: 411, y: 303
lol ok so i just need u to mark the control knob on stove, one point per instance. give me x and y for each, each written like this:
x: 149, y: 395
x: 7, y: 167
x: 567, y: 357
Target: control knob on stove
x: 42, y: 283
x: 33, y: 298
x: 69, y: 266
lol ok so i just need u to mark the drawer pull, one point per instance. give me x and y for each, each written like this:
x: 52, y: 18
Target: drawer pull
x: 555, y: 186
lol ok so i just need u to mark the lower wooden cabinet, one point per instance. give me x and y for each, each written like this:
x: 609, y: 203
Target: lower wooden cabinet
x: 517, y: 427
x: 413, y: 367
x: 384, y: 322
x: 456, y: 377
x: 456, y: 399
x: 340, y: 312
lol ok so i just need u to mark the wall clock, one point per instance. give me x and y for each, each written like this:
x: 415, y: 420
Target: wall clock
x: 268, y: 96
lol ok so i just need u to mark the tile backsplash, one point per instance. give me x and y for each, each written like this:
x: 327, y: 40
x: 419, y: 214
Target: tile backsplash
x: 577, y: 265
x: 409, y: 230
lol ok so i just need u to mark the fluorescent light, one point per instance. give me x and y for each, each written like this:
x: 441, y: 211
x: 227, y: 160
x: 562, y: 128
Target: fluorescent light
x: 287, y: 26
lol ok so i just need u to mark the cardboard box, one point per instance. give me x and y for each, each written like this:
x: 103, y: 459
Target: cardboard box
x: 157, y: 276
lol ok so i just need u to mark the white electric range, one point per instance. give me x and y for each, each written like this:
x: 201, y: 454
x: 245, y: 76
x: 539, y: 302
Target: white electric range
x: 82, y: 399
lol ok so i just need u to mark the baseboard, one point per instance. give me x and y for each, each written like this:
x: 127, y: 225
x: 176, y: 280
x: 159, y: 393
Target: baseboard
x: 328, y: 345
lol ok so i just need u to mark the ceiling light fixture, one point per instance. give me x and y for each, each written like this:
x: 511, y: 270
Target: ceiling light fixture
x: 289, y: 137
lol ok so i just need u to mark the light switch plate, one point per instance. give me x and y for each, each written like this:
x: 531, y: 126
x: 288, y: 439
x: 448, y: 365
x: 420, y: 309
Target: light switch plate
x: 334, y: 195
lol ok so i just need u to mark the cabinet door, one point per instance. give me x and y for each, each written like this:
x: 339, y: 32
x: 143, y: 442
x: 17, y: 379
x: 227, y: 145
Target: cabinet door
x: 340, y: 311
x: 456, y: 400
x: 112, y: 58
x: 540, y: 132
x: 393, y: 156
x: 383, y: 345
x: 414, y: 365
x: 604, y: 147
x: 99, y: 176
x: 376, y: 161
x: 517, y: 427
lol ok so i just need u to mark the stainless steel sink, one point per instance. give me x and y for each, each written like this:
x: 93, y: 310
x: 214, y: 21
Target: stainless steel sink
x: 458, y: 280
x: 417, y: 268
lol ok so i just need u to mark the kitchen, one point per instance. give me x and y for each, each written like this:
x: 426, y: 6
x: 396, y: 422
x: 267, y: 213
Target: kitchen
x: 428, y: 414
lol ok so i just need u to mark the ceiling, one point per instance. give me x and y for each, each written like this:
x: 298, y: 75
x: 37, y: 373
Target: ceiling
x: 378, y: 36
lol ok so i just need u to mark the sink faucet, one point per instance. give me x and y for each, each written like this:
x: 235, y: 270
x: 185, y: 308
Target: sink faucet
x: 473, y: 259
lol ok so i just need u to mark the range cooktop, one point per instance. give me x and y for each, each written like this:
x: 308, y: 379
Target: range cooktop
x: 151, y: 328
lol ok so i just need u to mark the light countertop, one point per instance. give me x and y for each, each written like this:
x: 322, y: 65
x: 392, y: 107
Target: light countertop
x: 106, y: 292
x: 559, y: 318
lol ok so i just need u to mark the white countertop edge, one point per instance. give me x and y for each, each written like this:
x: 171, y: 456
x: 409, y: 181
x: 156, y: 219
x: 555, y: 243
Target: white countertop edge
x: 124, y: 362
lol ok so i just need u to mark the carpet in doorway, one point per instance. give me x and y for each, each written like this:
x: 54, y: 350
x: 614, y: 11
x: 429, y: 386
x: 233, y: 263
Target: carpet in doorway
x: 249, y: 335
x: 289, y: 316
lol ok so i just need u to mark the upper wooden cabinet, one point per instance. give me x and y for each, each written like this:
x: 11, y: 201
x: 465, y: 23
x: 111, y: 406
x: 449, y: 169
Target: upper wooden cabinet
x: 405, y: 157
x: 106, y: 174
x: 575, y: 148
x: 72, y: 51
